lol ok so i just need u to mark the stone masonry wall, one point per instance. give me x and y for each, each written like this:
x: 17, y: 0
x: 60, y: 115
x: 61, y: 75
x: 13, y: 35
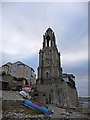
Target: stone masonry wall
x: 59, y: 94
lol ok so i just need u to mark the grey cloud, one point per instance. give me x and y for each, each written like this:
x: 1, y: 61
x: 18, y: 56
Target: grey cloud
x: 25, y: 23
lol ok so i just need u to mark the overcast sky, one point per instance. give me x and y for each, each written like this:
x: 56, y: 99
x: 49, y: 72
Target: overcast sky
x: 25, y: 23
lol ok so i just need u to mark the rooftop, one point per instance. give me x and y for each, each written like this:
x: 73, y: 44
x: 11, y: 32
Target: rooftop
x: 17, y: 62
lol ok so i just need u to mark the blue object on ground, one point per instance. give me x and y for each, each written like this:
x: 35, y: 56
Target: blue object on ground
x: 7, y: 88
x: 1, y: 98
x: 37, y: 106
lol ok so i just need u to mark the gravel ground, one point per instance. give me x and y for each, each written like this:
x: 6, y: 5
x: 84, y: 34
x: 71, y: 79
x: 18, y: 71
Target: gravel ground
x: 66, y: 113
x: 19, y: 112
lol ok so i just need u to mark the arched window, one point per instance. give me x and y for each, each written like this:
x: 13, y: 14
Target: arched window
x: 47, y: 74
x: 48, y: 40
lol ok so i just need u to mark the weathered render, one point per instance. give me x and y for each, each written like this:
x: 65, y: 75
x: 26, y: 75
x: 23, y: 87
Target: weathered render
x: 51, y: 87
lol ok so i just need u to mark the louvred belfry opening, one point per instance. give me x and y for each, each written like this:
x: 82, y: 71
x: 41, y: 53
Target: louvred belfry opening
x: 49, y: 38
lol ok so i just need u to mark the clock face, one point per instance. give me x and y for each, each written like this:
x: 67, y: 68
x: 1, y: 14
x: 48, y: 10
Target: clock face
x: 47, y: 62
x: 47, y: 53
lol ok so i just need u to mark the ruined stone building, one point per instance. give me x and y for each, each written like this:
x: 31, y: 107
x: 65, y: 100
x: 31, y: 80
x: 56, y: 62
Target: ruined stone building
x: 54, y: 87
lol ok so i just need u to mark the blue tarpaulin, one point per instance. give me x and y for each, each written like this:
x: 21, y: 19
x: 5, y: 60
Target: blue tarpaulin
x: 1, y: 98
x: 37, y: 106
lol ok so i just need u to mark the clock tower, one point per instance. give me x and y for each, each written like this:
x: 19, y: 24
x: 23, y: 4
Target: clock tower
x: 49, y: 70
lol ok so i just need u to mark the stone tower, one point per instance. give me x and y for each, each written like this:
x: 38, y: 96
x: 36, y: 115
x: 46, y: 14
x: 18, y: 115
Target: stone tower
x: 52, y: 86
x: 49, y: 70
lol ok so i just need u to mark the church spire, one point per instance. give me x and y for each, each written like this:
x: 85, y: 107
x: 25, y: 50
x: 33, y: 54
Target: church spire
x: 49, y: 38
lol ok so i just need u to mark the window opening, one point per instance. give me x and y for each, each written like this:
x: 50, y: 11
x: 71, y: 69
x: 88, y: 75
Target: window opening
x: 47, y: 74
